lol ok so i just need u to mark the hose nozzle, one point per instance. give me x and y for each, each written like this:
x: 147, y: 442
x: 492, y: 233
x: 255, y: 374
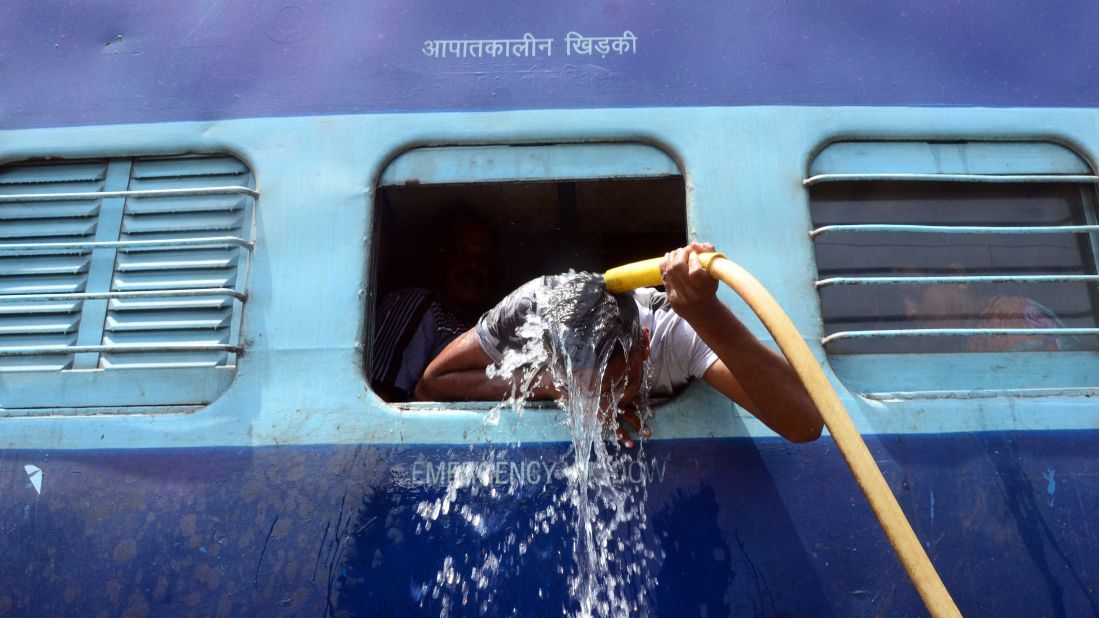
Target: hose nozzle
x: 645, y: 273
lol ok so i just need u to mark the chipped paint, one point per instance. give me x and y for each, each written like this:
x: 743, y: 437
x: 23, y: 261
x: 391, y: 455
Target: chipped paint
x: 1051, y: 483
x: 34, y: 474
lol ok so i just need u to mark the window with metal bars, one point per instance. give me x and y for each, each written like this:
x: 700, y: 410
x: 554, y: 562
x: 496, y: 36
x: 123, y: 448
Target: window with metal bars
x: 945, y: 248
x: 122, y: 279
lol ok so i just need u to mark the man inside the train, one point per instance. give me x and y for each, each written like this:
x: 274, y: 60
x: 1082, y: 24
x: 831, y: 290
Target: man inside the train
x: 414, y: 324
x: 684, y: 332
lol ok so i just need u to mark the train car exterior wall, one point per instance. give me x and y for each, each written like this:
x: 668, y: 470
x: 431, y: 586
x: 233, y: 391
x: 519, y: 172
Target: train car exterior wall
x: 294, y: 491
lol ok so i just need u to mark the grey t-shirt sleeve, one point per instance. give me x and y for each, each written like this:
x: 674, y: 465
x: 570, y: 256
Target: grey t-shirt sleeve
x: 677, y: 353
x: 701, y: 356
x: 498, y: 328
x: 686, y: 354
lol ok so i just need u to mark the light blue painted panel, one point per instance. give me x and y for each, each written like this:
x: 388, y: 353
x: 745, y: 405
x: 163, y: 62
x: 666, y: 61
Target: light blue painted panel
x: 48, y: 174
x: 152, y: 378
x: 39, y: 323
x: 102, y: 263
x: 180, y: 321
x: 13, y: 211
x: 202, y: 166
x: 300, y: 381
x: 512, y: 163
x: 21, y: 392
x: 869, y: 157
x: 880, y: 373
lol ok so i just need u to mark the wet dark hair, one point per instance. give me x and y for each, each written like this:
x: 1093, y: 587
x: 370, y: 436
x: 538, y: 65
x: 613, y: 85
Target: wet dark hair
x: 587, y: 324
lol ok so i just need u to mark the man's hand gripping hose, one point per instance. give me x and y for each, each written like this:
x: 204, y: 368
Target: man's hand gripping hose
x: 867, y: 474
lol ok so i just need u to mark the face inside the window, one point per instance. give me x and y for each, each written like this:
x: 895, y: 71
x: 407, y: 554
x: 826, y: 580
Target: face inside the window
x: 623, y: 378
x: 464, y: 265
x: 944, y: 305
x: 620, y: 382
x: 938, y: 306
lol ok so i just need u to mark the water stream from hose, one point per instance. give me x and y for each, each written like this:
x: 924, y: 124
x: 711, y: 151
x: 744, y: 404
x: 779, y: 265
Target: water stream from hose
x: 584, y: 341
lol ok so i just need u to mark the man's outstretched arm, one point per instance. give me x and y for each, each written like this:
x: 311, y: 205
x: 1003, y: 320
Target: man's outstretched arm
x: 458, y: 374
x: 748, y: 372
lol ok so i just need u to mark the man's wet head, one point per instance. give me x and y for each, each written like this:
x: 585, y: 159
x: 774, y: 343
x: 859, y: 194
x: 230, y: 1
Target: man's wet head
x: 593, y: 335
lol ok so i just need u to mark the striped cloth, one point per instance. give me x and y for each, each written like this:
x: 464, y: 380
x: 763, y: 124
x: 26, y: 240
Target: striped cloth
x: 411, y: 328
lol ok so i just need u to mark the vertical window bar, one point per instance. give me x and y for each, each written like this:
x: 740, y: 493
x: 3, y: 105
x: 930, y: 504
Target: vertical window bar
x: 101, y: 266
x: 1091, y: 241
x: 244, y: 265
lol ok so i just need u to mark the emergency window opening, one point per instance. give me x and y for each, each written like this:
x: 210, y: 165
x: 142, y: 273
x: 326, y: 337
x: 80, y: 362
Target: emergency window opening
x: 520, y: 229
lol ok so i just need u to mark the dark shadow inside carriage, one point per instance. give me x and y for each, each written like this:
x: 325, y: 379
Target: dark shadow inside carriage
x: 537, y: 228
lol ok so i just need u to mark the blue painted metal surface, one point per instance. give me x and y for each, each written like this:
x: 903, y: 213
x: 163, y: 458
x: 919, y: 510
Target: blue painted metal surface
x: 745, y: 528
x: 53, y: 197
x: 974, y: 178
x: 298, y: 382
x: 121, y: 268
x: 528, y: 163
x: 294, y: 491
x: 318, y: 216
x: 125, y: 62
x: 1030, y: 382
x: 954, y: 229
x: 954, y: 332
x: 981, y: 159
x: 954, y: 280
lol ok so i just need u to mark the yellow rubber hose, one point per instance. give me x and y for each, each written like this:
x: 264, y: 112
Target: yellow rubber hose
x: 884, y: 504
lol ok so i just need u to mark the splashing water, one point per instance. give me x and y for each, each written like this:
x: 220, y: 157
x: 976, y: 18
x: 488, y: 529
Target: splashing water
x: 580, y: 341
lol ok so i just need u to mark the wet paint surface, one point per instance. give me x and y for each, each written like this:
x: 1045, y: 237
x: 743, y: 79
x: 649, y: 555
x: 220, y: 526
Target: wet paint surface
x: 745, y: 528
x: 122, y: 62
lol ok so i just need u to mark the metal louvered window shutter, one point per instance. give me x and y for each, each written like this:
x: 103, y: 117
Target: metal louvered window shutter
x: 947, y: 268
x: 122, y: 280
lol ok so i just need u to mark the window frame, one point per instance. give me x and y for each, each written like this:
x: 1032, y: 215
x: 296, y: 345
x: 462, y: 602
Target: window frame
x: 892, y: 376
x: 89, y: 386
x: 498, y: 163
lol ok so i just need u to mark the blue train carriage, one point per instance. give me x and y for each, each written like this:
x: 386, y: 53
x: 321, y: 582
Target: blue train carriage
x: 200, y: 207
